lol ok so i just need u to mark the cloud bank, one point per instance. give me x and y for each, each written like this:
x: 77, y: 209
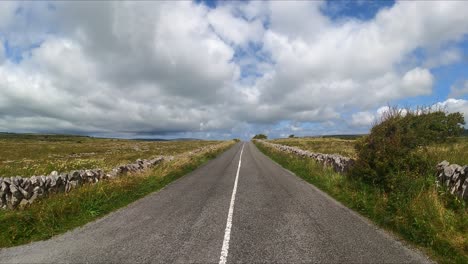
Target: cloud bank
x: 166, y: 68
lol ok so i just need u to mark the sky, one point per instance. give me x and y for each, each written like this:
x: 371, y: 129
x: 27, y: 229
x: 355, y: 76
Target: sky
x: 220, y: 69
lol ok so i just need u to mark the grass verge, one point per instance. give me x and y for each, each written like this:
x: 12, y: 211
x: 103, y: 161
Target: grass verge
x: 435, y: 223
x: 62, y: 212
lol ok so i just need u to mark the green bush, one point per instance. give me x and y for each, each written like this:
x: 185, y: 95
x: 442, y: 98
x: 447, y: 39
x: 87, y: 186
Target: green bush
x: 395, y: 145
x: 260, y: 136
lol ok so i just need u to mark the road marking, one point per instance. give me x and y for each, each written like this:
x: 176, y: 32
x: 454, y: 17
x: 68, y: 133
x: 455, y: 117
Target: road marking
x: 227, y: 232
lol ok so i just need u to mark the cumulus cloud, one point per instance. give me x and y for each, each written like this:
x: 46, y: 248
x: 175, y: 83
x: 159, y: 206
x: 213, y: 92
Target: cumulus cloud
x: 444, y: 57
x: 459, y: 89
x: 362, y: 119
x: 181, y: 67
x: 452, y: 105
x: 418, y: 80
x: 2, y: 52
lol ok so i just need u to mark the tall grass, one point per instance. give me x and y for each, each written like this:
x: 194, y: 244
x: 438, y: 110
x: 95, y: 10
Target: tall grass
x: 62, y: 212
x: 437, y: 223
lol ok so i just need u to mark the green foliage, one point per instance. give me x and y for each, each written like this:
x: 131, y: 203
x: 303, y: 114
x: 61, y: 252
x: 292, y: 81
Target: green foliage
x: 291, y: 136
x: 391, y: 147
x: 260, y: 136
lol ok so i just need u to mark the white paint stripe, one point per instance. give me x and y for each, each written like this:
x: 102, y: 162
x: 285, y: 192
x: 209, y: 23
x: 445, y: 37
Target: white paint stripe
x: 227, y: 232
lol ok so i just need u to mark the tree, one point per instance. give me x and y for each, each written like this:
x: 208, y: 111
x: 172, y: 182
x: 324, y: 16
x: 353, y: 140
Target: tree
x: 390, y: 148
x: 260, y: 136
x: 291, y: 136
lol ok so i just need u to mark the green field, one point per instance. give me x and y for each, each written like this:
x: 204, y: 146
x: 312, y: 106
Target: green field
x: 28, y: 155
x: 326, y: 145
x: 455, y: 151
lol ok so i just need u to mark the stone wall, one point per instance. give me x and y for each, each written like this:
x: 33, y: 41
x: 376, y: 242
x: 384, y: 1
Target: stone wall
x: 21, y: 191
x: 337, y: 162
x: 15, y: 191
x: 453, y: 177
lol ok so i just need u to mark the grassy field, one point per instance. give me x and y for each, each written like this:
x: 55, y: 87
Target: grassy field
x: 327, y: 145
x: 454, y: 152
x: 28, y: 155
x: 435, y: 222
x: 64, y: 211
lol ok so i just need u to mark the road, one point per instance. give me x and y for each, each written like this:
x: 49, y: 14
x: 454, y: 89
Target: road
x: 245, y: 210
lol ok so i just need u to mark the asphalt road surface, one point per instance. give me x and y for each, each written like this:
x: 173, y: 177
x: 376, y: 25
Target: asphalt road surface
x: 239, y: 207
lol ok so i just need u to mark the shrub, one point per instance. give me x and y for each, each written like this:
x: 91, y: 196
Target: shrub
x: 391, y: 147
x: 260, y: 136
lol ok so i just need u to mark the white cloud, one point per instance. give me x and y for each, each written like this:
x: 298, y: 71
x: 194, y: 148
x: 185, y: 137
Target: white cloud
x: 419, y: 81
x: 459, y: 89
x: 144, y: 67
x: 444, y: 57
x: 362, y: 119
x: 2, y: 52
x: 7, y: 12
x: 110, y: 75
x: 452, y: 105
x: 234, y: 29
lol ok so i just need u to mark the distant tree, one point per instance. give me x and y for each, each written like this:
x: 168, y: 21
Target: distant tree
x: 291, y: 136
x: 396, y: 144
x: 260, y: 136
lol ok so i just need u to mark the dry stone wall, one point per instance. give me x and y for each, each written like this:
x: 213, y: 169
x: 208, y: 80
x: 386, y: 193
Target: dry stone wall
x: 337, y: 162
x: 21, y: 191
x: 16, y: 191
x: 453, y: 177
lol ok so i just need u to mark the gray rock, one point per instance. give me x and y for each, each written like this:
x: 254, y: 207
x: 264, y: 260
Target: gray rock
x: 25, y: 193
x: 34, y: 181
x: 16, y: 196
x: 38, y: 192
x: 42, y: 180
x: 464, y: 190
x: 449, y: 170
x: 442, y: 165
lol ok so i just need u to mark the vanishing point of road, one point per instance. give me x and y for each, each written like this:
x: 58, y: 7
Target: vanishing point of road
x: 239, y: 207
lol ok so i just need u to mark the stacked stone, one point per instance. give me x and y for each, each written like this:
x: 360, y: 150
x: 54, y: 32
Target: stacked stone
x: 453, y: 177
x: 337, y: 162
x: 17, y: 191
x: 20, y: 191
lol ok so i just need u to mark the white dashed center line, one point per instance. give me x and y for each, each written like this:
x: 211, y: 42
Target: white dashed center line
x: 227, y: 232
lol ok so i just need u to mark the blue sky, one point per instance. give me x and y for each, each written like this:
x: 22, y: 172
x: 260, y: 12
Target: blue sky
x: 212, y: 69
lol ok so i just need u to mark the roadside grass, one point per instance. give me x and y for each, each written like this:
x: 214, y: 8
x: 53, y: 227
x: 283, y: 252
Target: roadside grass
x: 435, y: 222
x: 454, y: 151
x: 29, y: 154
x: 62, y: 212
